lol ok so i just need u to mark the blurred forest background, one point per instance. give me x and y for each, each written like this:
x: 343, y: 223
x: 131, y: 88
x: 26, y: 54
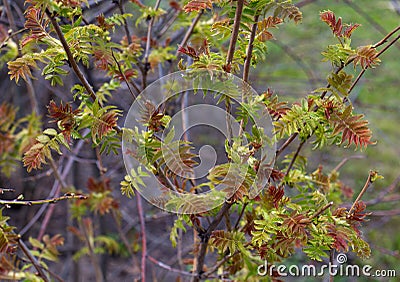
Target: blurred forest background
x: 292, y: 69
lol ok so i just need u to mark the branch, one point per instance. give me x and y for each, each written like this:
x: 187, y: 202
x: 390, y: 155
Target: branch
x: 295, y: 157
x: 235, y: 34
x: 143, y: 235
x: 167, y: 267
x: 366, y: 185
x: 189, y: 31
x: 44, y: 201
x: 33, y: 260
x: 345, y: 160
x: 249, y: 52
x: 205, y: 238
x: 121, y: 9
x: 147, y: 50
x: 70, y: 57
x: 377, y: 55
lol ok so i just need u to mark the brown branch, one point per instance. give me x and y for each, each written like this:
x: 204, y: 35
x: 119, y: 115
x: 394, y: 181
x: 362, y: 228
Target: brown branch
x: 126, y: 29
x: 364, y: 189
x: 70, y: 57
x: 33, y: 260
x: 249, y: 51
x: 67, y: 196
x: 205, y: 236
x: 320, y: 211
x: 384, y: 40
x: 295, y: 157
x: 146, y: 66
x: 167, y: 267
x: 190, y: 31
x: 235, y: 34
x: 345, y: 160
x: 143, y: 235
x: 125, y: 79
x: 377, y: 55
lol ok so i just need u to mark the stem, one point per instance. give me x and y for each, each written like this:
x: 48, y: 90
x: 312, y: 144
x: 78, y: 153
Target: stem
x: 146, y: 66
x: 249, y: 51
x: 366, y: 185
x: 345, y: 160
x: 295, y: 157
x: 44, y: 201
x: 70, y: 57
x: 33, y: 260
x: 143, y: 235
x: 127, y: 33
x: 190, y: 30
x: 377, y: 55
x: 205, y: 238
x: 167, y: 267
x: 235, y: 34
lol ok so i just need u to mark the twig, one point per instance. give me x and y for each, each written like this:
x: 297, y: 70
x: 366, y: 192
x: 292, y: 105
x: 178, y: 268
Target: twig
x: 143, y: 235
x: 44, y: 201
x: 381, y: 196
x: 147, y: 49
x: 3, y: 190
x: 235, y: 34
x: 287, y: 143
x: 167, y: 267
x: 320, y: 211
x: 295, y: 157
x: 345, y: 160
x: 125, y: 79
x: 240, y: 215
x: 249, y: 51
x: 377, y: 55
x: 127, y: 33
x: 219, y: 264
x: 366, y: 185
x: 384, y: 40
x: 189, y: 31
x: 205, y: 238
x: 70, y: 57
x: 34, y: 261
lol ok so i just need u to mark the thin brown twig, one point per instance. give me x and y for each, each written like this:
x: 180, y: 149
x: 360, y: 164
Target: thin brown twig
x: 70, y: 56
x: 205, y: 236
x: 345, y: 160
x: 363, y: 190
x: 34, y: 261
x: 146, y: 66
x: 167, y: 267
x: 377, y: 55
x: 143, y: 235
x: 126, y: 28
x: 67, y: 196
x: 249, y: 51
x: 125, y: 79
x: 190, y: 31
x: 235, y: 34
x: 295, y: 157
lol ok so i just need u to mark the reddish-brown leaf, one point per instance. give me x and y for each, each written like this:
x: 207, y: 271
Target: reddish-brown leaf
x: 197, y: 5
